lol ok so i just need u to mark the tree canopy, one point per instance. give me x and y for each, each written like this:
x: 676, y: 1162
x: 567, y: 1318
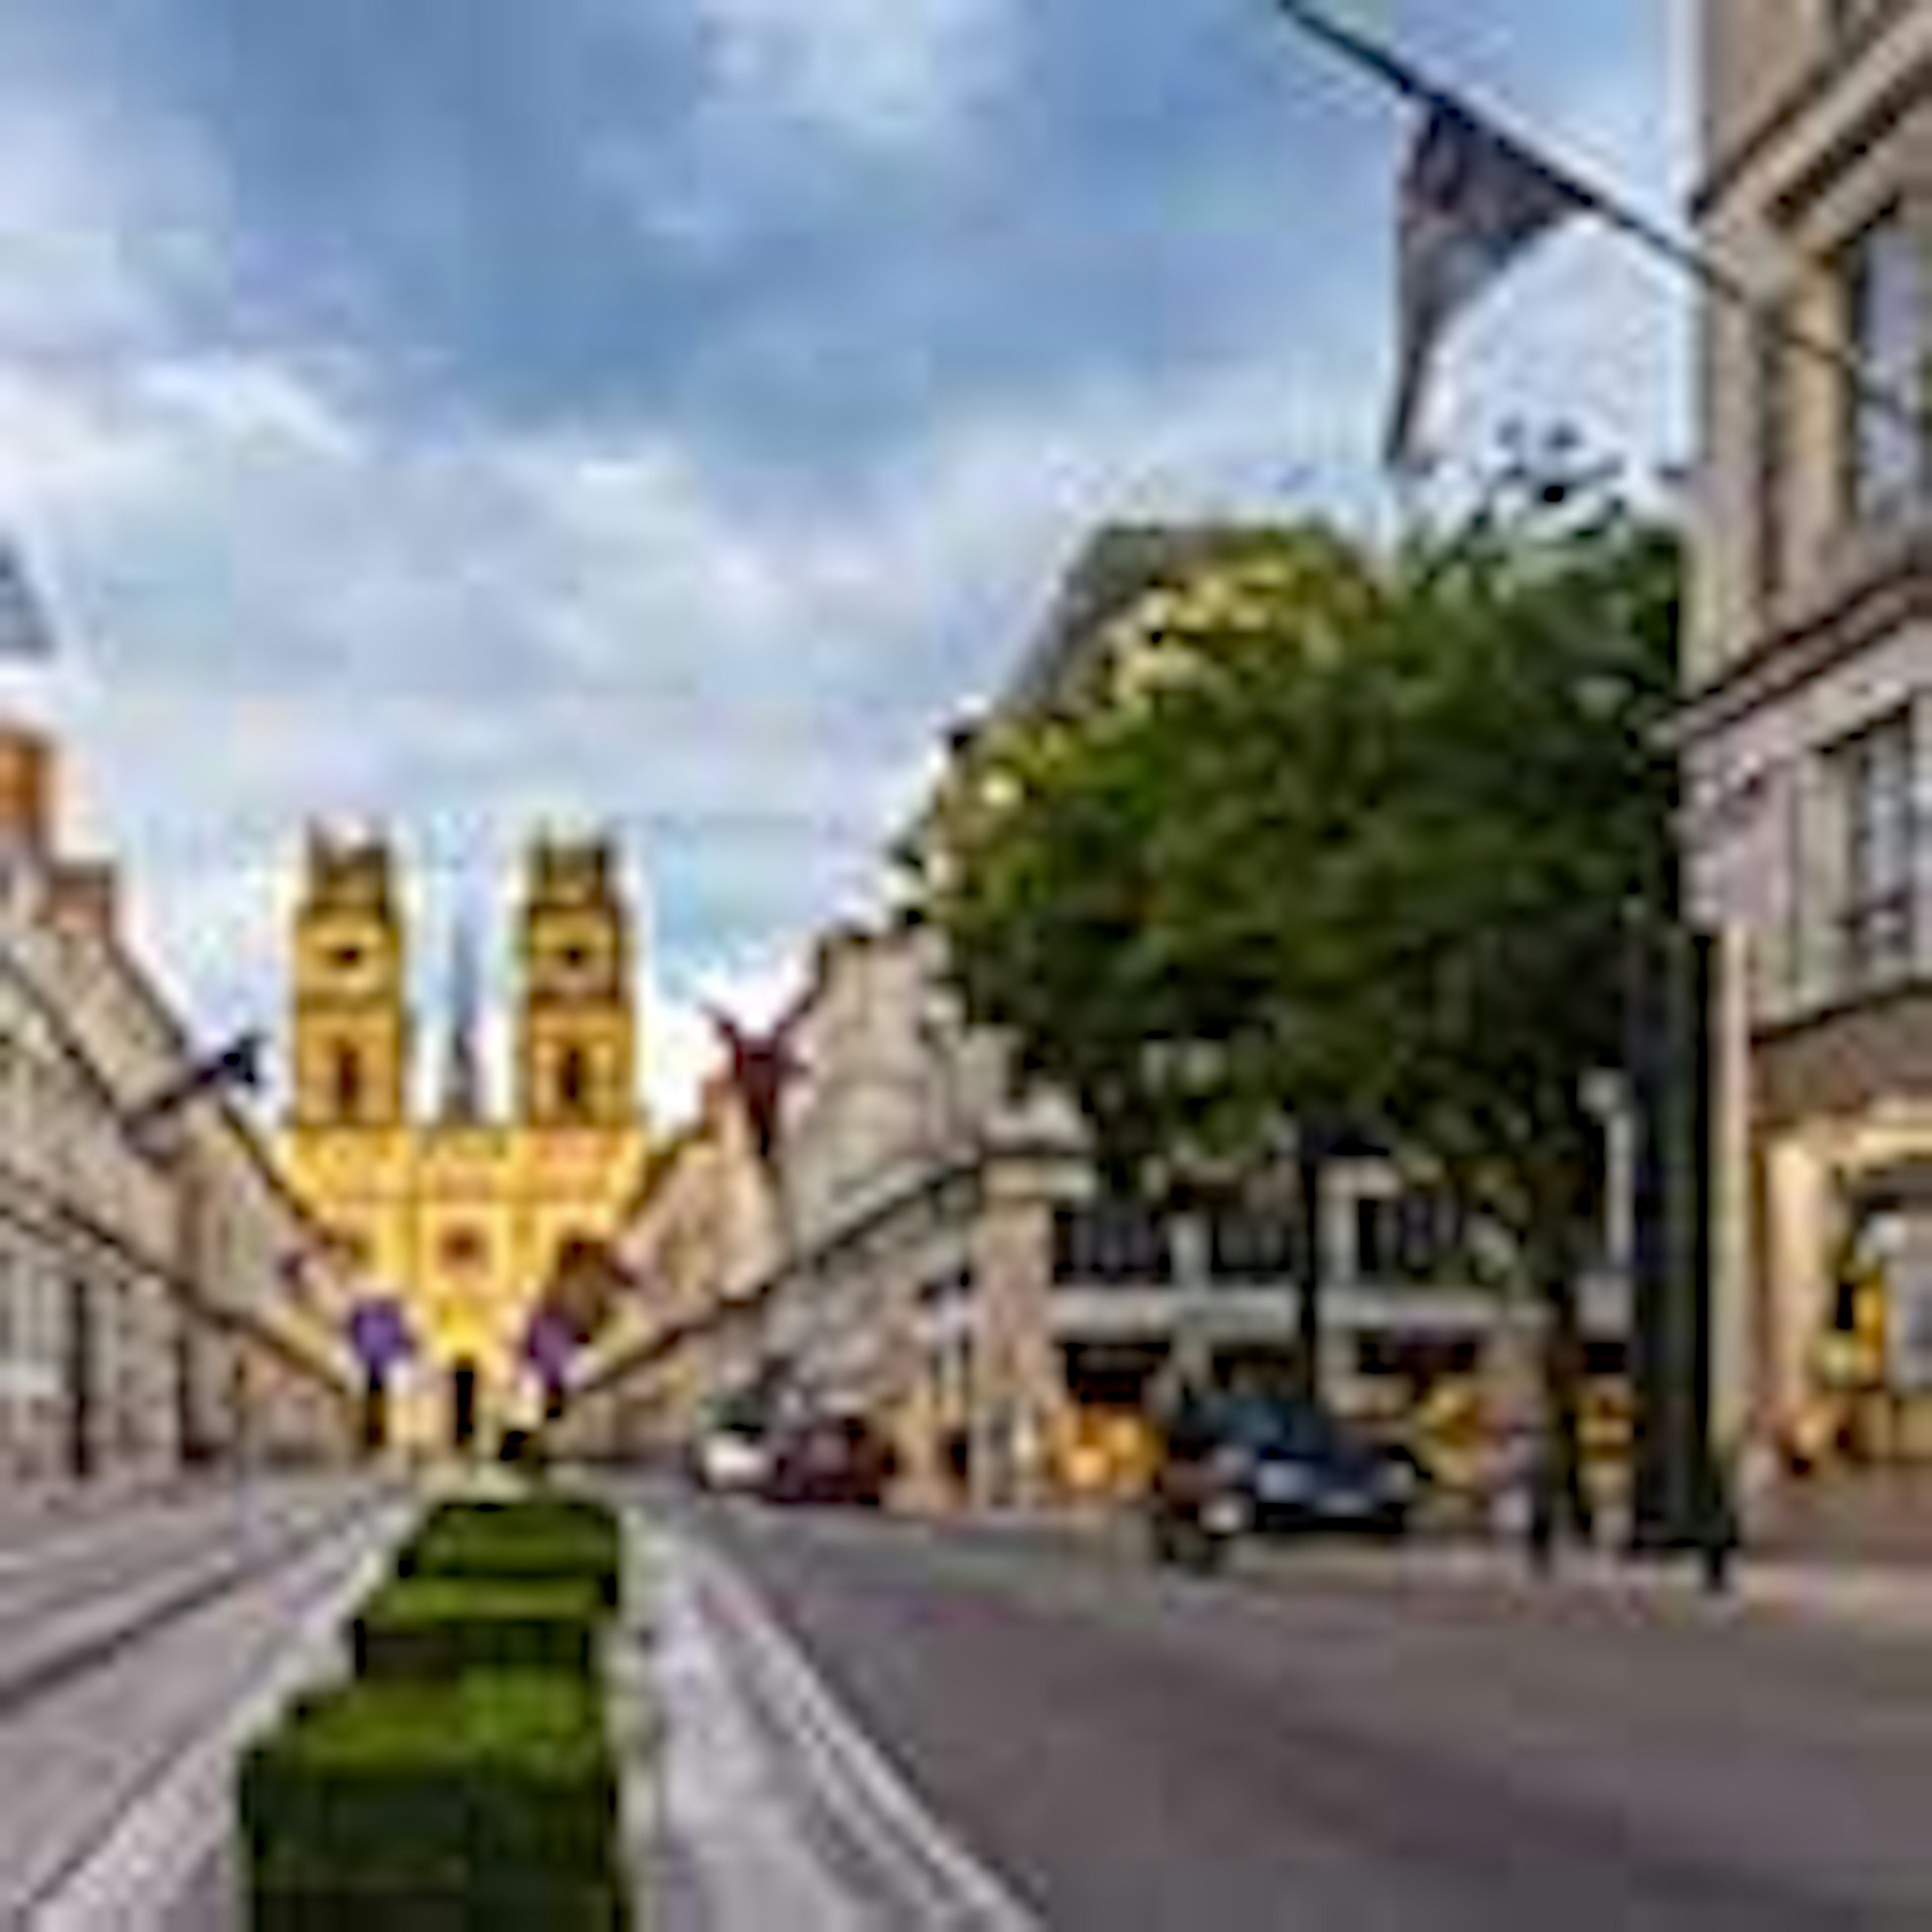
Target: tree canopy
x: 1373, y: 856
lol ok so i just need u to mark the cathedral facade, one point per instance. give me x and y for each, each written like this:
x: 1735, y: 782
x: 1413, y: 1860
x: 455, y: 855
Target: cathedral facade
x: 459, y: 1211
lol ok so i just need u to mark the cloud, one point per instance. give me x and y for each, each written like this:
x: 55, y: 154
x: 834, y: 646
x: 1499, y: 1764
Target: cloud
x: 891, y: 75
x: 277, y: 607
x: 668, y: 414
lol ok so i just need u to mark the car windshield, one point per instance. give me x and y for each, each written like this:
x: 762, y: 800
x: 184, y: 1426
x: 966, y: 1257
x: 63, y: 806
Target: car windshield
x: 1256, y: 1423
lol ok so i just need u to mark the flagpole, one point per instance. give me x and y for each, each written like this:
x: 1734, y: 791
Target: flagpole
x: 1396, y: 72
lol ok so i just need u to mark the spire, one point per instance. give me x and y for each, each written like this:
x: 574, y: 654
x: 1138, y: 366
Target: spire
x: 463, y: 1085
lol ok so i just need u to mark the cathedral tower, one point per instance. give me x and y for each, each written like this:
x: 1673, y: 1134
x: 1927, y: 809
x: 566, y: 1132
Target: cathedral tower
x: 576, y: 1029
x: 351, y: 1030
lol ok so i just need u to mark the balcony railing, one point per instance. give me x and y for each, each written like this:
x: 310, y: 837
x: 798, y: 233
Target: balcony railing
x: 1112, y: 1245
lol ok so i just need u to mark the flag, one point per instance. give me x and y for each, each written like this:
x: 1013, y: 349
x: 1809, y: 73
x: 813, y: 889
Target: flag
x: 25, y: 632
x: 237, y: 1065
x: 378, y: 1334
x: 760, y: 1065
x: 1472, y: 200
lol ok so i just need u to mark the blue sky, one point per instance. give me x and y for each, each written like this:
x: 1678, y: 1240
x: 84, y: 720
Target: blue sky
x: 671, y: 412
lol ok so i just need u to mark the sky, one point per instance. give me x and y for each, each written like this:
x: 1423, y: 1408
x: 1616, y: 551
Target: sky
x: 669, y: 415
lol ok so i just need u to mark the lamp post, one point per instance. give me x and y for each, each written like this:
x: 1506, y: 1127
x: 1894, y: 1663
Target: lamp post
x: 1321, y: 1138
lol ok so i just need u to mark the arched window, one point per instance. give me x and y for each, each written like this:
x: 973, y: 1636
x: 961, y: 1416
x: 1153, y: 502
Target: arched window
x: 573, y: 1083
x: 347, y: 1080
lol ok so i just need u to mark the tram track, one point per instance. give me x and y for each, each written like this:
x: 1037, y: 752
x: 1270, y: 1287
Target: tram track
x: 90, y: 1625
x: 137, y: 1722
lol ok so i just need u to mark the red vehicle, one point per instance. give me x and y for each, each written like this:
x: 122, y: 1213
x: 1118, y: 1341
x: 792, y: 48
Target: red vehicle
x: 839, y: 1459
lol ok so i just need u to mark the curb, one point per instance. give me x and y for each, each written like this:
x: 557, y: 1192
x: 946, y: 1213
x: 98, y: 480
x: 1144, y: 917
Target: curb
x: 876, y: 1855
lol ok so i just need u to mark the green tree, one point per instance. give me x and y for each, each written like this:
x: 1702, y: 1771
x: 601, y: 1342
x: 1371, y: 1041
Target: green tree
x: 1373, y: 857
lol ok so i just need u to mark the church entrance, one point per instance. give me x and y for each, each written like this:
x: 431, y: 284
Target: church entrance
x: 463, y: 1405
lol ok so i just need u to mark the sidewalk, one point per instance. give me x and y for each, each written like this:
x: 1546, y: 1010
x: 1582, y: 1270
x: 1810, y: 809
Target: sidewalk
x: 50, y: 1503
x: 1890, y: 1599
x: 1893, y: 1601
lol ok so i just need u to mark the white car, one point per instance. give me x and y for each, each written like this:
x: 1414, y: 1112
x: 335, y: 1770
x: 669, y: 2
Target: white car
x: 728, y: 1460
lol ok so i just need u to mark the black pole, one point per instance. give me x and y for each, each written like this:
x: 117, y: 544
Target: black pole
x: 1644, y: 1058
x: 375, y: 1411
x: 188, y: 1437
x: 80, y: 1378
x: 1310, y: 1167
x: 1699, y: 1486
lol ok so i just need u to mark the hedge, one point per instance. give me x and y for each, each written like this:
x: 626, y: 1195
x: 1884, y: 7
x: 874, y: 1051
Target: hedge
x: 486, y: 1799
x: 464, y: 1779
x: 548, y: 1537
x: 442, y: 1626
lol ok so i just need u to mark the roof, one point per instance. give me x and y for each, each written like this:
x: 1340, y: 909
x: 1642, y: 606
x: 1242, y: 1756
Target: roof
x: 1118, y: 565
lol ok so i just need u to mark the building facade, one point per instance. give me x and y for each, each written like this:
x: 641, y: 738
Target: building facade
x: 698, y: 1248
x: 459, y: 1214
x: 1808, y: 724
x: 162, y: 1300
x: 938, y: 1250
x: 930, y: 1246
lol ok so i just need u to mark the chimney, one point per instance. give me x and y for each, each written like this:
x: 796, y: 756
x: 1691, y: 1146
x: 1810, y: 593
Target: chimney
x: 84, y: 898
x: 26, y: 791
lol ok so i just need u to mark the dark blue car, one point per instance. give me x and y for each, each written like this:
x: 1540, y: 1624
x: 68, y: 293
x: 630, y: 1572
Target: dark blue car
x: 1274, y: 1466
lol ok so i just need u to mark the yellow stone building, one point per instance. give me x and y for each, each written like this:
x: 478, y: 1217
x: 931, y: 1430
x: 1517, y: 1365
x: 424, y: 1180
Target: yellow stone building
x: 459, y: 1214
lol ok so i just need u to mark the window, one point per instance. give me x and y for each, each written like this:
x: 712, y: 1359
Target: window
x: 346, y: 1078
x: 1246, y: 1248
x: 573, y: 1082
x: 1408, y: 1239
x: 1874, y: 775
x: 462, y: 1249
x: 1843, y: 18
x: 1113, y: 1244
x: 1885, y: 290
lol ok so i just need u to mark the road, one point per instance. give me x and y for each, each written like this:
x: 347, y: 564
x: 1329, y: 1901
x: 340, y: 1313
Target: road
x: 124, y: 1638
x: 1128, y: 1749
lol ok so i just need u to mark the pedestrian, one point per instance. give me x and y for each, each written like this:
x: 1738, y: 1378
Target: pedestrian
x: 1541, y: 1516
x: 1718, y: 1526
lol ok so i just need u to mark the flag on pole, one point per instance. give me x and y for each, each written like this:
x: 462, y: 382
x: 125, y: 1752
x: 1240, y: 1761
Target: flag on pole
x: 760, y: 1066
x: 25, y: 632
x: 1472, y: 201
x: 239, y: 1064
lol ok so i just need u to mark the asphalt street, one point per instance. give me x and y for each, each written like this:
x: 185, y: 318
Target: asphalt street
x: 1126, y: 1748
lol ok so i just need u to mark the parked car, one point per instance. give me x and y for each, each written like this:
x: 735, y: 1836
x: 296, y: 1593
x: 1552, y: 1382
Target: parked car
x: 830, y: 1459
x: 730, y: 1461
x: 1269, y: 1466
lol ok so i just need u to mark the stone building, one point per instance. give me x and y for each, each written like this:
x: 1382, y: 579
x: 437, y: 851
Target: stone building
x: 460, y: 1214
x: 931, y: 1247
x: 940, y: 1252
x: 150, y: 1315
x: 699, y: 1244
x: 1806, y: 730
